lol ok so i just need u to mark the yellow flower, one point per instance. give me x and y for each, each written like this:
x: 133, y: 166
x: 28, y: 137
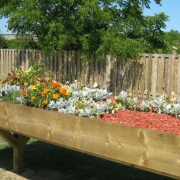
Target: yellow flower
x: 32, y: 98
x: 37, y: 83
x: 55, y: 96
x: 33, y: 87
x: 26, y: 84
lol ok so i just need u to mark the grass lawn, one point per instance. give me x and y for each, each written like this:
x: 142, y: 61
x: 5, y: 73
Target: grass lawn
x: 45, y: 161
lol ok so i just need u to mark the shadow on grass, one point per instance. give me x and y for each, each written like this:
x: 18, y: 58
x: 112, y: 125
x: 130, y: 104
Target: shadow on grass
x: 50, y: 161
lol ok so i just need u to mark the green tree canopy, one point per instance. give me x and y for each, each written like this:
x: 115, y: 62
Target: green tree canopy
x: 96, y: 27
x: 173, y: 40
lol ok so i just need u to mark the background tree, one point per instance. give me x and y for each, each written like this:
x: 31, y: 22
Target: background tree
x: 173, y: 40
x: 96, y: 27
x: 3, y: 42
x: 20, y: 41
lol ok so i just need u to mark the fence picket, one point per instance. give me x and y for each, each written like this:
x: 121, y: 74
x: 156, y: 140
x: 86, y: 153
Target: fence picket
x: 160, y: 75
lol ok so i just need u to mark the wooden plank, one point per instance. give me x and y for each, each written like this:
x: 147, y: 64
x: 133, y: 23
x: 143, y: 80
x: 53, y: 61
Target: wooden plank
x: 148, y: 68
x: 135, y: 79
x: 96, y: 72
x: 78, y: 66
x: 130, y: 77
x: 165, y: 74
x: 114, y: 82
x: 107, y: 82
x: 65, y: 73
x: 17, y: 142
x: 119, y: 78
x: 73, y: 68
x: 160, y: 76
x: 154, y: 76
x: 13, y: 60
x: 91, y: 74
x: 18, y: 155
x: 152, y: 150
x: 54, y: 66
x: 30, y: 57
x: 178, y: 79
x: 175, y: 76
x: 26, y: 59
x: 9, y: 138
x: 87, y: 73
x: 141, y: 78
x: 1, y: 63
x: 69, y: 66
x: 83, y: 71
x: 171, y: 68
x: 101, y: 70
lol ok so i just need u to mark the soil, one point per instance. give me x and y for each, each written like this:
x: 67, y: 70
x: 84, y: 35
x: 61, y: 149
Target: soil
x: 150, y: 120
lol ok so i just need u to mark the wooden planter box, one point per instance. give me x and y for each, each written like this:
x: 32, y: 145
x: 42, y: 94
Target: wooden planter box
x: 145, y: 149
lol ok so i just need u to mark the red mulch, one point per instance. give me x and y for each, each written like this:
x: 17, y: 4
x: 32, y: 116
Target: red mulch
x: 148, y: 120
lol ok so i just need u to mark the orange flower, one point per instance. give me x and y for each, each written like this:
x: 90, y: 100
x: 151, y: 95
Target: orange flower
x: 55, y: 84
x: 46, y: 90
x: 33, y: 98
x: 22, y: 87
x: 23, y: 93
x: 45, y: 102
x: 42, y: 93
x: 64, y: 91
x: 55, y: 96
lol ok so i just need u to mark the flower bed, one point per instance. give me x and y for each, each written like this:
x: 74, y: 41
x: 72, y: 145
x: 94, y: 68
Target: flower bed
x: 70, y: 126
x: 32, y: 89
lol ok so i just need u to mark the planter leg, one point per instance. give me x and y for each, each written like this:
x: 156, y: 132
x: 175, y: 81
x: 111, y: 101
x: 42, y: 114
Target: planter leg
x: 17, y: 142
x: 18, y: 155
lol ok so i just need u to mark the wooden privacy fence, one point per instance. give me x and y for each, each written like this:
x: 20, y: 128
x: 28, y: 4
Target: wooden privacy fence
x: 150, y: 76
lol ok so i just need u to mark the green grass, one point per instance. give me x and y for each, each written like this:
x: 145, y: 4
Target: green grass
x: 70, y: 165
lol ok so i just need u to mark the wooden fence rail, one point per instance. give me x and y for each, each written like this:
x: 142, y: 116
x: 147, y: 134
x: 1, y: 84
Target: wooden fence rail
x: 150, y: 76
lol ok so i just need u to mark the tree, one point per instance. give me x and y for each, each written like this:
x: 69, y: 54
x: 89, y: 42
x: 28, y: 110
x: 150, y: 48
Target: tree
x: 173, y: 40
x: 3, y: 42
x: 20, y: 41
x: 96, y: 27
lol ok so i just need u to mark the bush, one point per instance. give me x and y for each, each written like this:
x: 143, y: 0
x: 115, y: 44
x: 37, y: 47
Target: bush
x: 3, y: 42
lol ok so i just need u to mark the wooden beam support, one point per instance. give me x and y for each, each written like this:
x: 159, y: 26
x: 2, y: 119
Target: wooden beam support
x: 18, y: 155
x: 17, y: 142
x: 9, y: 138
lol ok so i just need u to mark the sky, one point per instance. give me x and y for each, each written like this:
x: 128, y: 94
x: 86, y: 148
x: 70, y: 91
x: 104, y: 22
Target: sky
x: 170, y: 7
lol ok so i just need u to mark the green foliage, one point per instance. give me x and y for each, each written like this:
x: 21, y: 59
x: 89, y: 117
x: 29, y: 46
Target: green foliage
x: 173, y: 40
x: 96, y: 27
x: 19, y: 43
x: 3, y: 42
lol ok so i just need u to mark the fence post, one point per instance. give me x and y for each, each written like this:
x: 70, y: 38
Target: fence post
x: 108, y: 73
x: 23, y: 58
x: 174, y: 52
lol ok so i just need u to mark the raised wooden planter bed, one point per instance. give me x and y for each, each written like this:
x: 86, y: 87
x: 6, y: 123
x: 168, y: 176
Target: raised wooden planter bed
x: 145, y: 149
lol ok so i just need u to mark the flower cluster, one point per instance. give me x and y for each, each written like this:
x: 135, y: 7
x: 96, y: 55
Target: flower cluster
x: 32, y: 89
x: 162, y: 104
x: 25, y: 88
